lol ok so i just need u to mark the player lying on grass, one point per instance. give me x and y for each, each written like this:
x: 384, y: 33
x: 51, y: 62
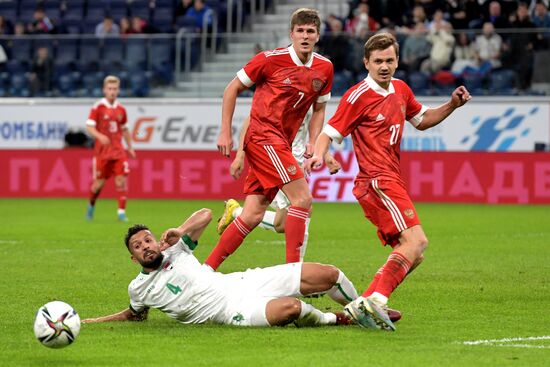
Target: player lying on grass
x: 173, y: 281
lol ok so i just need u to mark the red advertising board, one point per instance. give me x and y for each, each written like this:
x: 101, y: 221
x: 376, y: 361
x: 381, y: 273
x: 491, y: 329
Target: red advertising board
x: 522, y: 178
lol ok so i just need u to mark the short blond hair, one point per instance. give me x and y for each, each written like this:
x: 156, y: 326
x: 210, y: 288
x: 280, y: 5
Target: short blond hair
x: 111, y: 79
x: 305, y: 16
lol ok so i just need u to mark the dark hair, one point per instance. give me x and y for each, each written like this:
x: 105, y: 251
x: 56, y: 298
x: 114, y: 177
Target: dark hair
x: 304, y: 16
x: 381, y: 41
x: 132, y: 231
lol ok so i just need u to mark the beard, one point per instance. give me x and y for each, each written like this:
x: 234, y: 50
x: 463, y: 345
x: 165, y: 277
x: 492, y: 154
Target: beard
x: 154, y: 263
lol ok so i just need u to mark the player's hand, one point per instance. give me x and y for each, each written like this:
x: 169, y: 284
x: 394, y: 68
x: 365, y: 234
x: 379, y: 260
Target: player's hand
x: 309, y: 151
x: 103, y: 139
x: 132, y: 152
x: 169, y: 238
x: 332, y: 164
x: 312, y: 163
x: 225, y: 144
x: 460, y: 96
x: 237, y: 166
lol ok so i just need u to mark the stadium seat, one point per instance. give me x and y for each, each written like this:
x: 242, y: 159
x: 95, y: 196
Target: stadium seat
x: 163, y: 60
x: 72, y: 26
x: 113, y: 50
x: 74, y: 11
x: 162, y: 19
x: 19, y: 86
x: 342, y: 81
x: 136, y: 52
x: 141, y: 9
x: 66, y: 85
x: 21, y: 49
x: 67, y: 50
x: 139, y: 84
x: 88, y: 51
x: 165, y: 3
x: 8, y: 9
x: 92, y: 83
x: 17, y: 66
x: 474, y: 83
x: 400, y: 74
x: 420, y: 83
x: 187, y: 22
x: 502, y: 82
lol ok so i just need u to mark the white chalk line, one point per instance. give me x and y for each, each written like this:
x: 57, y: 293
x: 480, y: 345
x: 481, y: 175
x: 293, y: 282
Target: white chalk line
x: 510, y: 342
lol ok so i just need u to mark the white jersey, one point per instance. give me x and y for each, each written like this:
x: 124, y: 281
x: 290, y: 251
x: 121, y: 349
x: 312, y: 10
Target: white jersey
x: 181, y: 287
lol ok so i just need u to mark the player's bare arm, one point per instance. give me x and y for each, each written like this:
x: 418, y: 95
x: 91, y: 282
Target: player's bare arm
x: 128, y: 140
x: 194, y: 226
x: 434, y: 116
x: 332, y: 164
x: 237, y: 165
x: 315, y: 126
x: 103, y: 139
x: 126, y: 315
x: 225, y: 140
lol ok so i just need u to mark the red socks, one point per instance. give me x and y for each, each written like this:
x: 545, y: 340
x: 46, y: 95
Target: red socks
x: 122, y: 199
x: 230, y: 241
x: 295, y: 227
x: 390, y: 275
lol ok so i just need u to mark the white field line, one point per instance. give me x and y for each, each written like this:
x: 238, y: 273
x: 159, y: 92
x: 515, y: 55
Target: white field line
x: 510, y: 342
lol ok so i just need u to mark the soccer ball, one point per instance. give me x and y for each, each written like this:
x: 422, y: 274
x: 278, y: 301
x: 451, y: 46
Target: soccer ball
x: 56, y: 325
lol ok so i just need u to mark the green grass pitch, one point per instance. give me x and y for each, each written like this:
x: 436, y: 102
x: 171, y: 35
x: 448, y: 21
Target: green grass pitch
x: 486, y: 277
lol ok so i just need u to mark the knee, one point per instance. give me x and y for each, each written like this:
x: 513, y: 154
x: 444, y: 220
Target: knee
x: 332, y: 274
x: 292, y: 309
x: 303, y: 201
x: 205, y: 214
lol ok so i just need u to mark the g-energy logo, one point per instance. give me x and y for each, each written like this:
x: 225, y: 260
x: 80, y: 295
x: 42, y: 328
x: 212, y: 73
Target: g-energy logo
x: 176, y: 130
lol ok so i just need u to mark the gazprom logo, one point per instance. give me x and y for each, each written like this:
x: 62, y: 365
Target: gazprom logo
x: 498, y: 133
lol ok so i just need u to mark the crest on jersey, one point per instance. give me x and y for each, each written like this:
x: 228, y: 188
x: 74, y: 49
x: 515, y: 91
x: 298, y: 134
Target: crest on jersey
x: 168, y: 266
x: 317, y: 84
x: 409, y: 212
x: 287, y: 81
x: 291, y: 169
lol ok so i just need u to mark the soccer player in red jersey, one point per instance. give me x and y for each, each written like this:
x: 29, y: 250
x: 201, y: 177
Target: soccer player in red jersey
x: 107, y: 125
x: 374, y: 112
x: 288, y: 82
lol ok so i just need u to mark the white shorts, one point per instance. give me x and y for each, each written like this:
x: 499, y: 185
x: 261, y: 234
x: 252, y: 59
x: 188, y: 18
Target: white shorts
x: 280, y: 201
x: 252, y: 289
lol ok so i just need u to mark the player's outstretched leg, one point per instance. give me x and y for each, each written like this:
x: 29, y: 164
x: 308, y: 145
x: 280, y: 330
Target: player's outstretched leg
x: 370, y: 314
x: 227, y: 217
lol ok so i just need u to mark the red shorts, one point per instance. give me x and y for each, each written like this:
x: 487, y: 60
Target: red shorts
x: 271, y: 167
x: 105, y: 168
x: 388, y: 206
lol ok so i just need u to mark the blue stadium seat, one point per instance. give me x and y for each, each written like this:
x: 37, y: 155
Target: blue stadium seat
x: 17, y: 66
x: 66, y: 85
x: 4, y: 81
x: 72, y: 26
x: 67, y: 50
x: 88, y: 51
x: 92, y: 84
x: 165, y: 3
x: 163, y: 60
x: 420, y: 83
x: 139, y: 84
x: 136, y: 53
x: 95, y: 13
x: 162, y: 19
x: 74, y: 11
x: 502, y: 82
x: 343, y: 80
x: 187, y: 22
x: 19, y: 85
x: 113, y: 49
x: 474, y: 83
x: 25, y: 15
x: 141, y: 9
x: 21, y: 49
x: 8, y: 9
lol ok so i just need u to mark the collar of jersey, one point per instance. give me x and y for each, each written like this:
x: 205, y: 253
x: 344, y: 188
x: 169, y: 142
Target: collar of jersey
x: 105, y: 102
x: 378, y: 89
x: 297, y: 60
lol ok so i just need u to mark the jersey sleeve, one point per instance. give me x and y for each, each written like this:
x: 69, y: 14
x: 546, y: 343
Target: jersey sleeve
x: 124, y: 122
x: 92, y: 117
x: 178, y: 248
x: 347, y: 116
x: 415, y: 110
x: 325, y: 95
x: 253, y: 71
x: 136, y: 304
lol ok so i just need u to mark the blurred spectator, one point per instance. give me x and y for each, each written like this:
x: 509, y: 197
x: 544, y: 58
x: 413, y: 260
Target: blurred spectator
x: 464, y: 54
x: 335, y: 45
x: 541, y: 19
x: 182, y: 7
x: 198, y: 11
x: 489, y: 46
x: 125, y: 27
x: 5, y: 26
x: 416, y: 49
x: 495, y: 16
x: 474, y: 14
x: 41, y: 24
x: 361, y: 23
x: 442, y: 41
x: 140, y: 25
x: 19, y: 29
x: 438, y: 21
x: 41, y: 72
x: 3, y: 56
x: 387, y: 12
x: 330, y: 24
x: 107, y: 27
x: 522, y: 45
x: 457, y: 13
x: 418, y: 15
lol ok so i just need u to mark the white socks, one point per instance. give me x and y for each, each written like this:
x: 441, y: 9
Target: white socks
x: 343, y: 291
x: 310, y: 316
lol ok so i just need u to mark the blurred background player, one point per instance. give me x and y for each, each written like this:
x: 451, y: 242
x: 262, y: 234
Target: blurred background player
x: 288, y: 82
x: 374, y: 112
x: 275, y: 220
x: 174, y: 281
x: 107, y: 125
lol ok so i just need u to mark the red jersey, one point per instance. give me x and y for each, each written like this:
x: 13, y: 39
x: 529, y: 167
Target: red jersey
x: 375, y: 117
x: 109, y: 120
x: 285, y: 90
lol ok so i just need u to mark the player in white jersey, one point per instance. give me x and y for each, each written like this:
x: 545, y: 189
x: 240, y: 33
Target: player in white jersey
x: 173, y: 281
x: 275, y: 220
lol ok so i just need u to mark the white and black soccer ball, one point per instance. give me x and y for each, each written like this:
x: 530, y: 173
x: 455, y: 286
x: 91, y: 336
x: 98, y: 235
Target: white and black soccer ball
x: 56, y: 324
